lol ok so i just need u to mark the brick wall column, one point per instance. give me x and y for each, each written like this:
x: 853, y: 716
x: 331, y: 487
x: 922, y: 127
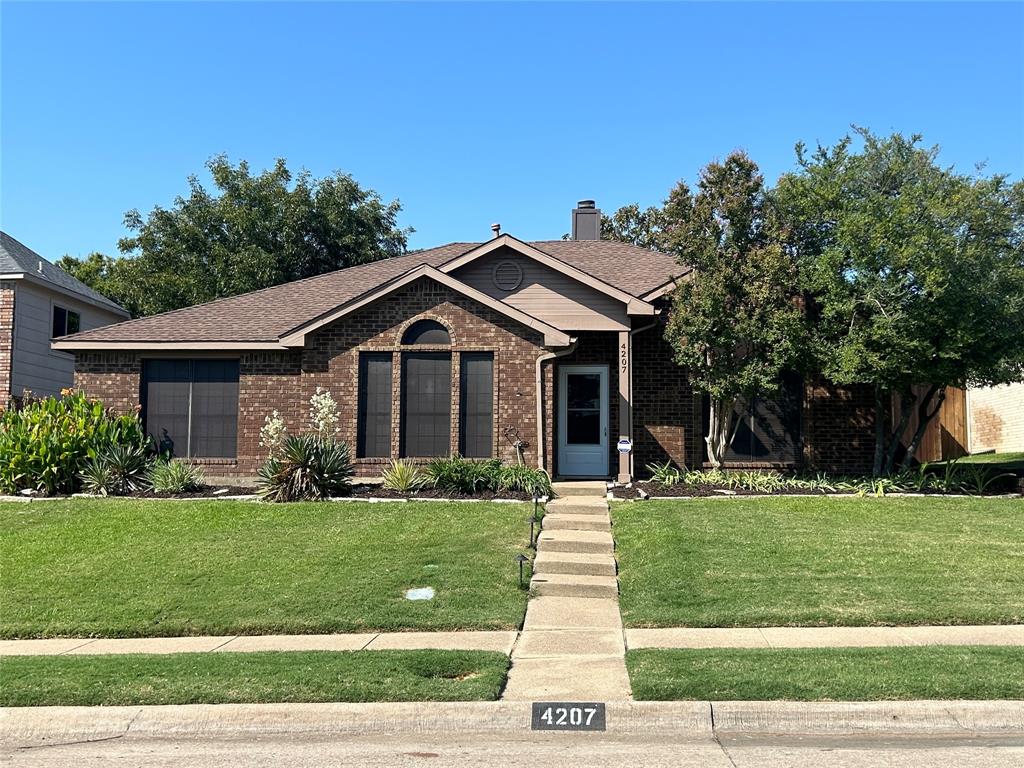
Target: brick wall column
x: 6, y: 339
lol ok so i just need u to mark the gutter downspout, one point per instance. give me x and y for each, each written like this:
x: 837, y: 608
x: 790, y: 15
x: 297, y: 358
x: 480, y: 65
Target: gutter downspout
x: 632, y: 375
x: 540, y: 399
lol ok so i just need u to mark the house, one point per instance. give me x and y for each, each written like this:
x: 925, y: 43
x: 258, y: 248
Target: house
x: 995, y: 418
x: 40, y: 302
x: 551, y: 349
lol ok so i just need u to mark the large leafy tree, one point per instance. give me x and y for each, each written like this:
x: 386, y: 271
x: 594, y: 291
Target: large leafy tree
x: 636, y: 226
x: 736, y: 324
x: 251, y: 231
x: 916, y: 275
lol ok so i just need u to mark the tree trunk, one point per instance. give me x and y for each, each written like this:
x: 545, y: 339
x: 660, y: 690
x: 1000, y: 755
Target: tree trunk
x: 719, y: 437
x: 907, y: 400
x: 923, y: 419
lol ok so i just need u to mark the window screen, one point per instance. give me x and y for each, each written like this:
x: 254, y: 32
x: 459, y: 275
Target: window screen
x: 426, y: 404
x: 476, y: 398
x: 165, y: 400
x: 214, y: 408
x: 374, y: 435
x: 190, y: 407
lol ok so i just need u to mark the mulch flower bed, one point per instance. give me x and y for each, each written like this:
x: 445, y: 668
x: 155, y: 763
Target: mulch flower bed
x: 207, y: 492
x: 704, y: 490
x: 374, y: 491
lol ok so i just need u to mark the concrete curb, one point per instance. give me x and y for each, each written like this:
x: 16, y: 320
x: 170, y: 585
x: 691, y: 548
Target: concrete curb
x: 28, y: 726
x: 857, y: 717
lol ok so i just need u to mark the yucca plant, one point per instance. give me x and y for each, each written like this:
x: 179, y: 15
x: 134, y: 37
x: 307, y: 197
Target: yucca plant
x: 310, y: 468
x: 403, y: 477
x: 176, y: 477
x: 120, y: 470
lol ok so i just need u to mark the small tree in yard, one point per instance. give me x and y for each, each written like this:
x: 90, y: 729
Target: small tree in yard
x: 916, y: 275
x: 736, y: 324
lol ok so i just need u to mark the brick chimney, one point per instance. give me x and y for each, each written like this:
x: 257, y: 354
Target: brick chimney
x: 586, y: 221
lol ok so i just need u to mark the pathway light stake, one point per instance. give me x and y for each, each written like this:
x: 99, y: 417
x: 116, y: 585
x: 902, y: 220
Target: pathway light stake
x: 533, y: 541
x: 521, y: 559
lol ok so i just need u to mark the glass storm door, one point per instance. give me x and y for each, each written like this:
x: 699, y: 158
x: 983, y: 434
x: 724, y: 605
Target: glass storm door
x: 583, y: 421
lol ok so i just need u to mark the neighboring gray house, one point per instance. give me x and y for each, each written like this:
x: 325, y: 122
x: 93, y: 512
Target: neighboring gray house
x: 39, y: 302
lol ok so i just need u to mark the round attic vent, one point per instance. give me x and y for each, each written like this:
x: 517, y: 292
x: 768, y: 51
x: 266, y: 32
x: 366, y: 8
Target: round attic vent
x: 507, y: 275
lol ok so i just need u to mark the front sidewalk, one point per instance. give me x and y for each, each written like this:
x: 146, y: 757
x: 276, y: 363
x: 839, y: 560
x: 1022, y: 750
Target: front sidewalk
x: 501, y: 642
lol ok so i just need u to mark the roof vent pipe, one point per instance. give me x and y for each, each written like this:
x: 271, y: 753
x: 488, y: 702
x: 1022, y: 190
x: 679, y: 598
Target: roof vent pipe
x: 586, y: 221
x: 496, y: 229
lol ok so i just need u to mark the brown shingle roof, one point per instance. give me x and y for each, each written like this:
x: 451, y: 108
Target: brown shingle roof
x: 268, y: 314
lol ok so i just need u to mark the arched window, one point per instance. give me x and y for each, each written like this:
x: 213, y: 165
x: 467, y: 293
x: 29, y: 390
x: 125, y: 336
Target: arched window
x: 426, y: 332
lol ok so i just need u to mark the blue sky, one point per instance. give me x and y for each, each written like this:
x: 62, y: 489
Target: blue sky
x: 471, y: 114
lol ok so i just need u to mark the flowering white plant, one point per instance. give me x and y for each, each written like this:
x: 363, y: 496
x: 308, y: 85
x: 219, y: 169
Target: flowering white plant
x: 273, y: 433
x: 323, y: 413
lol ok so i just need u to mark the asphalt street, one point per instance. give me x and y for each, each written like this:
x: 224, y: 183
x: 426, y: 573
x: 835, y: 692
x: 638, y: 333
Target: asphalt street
x: 532, y: 749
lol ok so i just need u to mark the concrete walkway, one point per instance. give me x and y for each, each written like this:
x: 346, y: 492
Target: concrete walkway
x: 572, y: 646
x: 501, y: 642
x: 824, y: 637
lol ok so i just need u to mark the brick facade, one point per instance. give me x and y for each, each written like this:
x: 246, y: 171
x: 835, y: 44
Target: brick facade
x: 666, y: 411
x: 6, y: 339
x: 837, y: 423
x: 285, y: 381
x: 838, y: 427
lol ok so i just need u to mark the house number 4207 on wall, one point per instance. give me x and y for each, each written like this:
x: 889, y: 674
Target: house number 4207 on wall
x: 623, y: 357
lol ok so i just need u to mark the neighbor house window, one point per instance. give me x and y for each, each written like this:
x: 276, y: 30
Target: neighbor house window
x: 426, y: 403
x: 374, y: 430
x: 476, y: 393
x: 65, y: 322
x: 190, y: 407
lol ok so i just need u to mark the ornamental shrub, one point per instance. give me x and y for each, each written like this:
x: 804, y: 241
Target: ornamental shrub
x: 465, y: 476
x: 176, y: 477
x: 310, y: 468
x: 44, y: 445
x: 119, y: 470
x: 523, y: 479
x: 403, y: 477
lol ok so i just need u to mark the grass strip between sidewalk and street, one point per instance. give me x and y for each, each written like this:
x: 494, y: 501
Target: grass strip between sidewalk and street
x: 245, y: 678
x: 820, y: 561
x: 130, y: 568
x: 827, y: 674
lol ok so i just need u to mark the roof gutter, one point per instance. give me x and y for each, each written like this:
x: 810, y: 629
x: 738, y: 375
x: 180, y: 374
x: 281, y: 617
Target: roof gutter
x: 539, y: 396
x: 148, y: 346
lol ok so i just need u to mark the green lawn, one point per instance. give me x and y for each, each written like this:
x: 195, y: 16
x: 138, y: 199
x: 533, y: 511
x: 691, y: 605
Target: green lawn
x: 828, y: 674
x: 820, y: 561
x: 1011, y: 462
x: 123, y: 568
x: 216, y: 678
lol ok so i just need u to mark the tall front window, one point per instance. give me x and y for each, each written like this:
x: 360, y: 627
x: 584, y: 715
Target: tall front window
x: 476, y: 400
x: 374, y: 429
x: 190, y: 407
x: 426, y: 404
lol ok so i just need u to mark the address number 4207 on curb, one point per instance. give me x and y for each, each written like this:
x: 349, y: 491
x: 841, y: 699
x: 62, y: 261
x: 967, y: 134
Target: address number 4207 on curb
x: 568, y: 716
